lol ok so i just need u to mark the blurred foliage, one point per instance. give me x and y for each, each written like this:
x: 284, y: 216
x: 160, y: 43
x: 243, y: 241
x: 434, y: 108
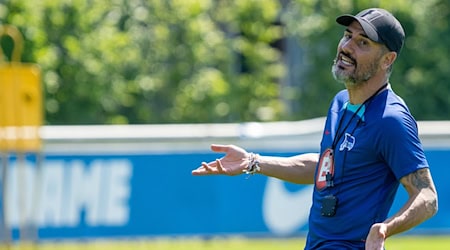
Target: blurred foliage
x: 188, y: 61
x: 421, y: 73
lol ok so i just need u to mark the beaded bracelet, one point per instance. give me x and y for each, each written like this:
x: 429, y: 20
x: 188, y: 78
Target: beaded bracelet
x: 253, y: 165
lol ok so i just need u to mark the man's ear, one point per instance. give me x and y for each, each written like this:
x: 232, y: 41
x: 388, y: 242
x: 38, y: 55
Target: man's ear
x: 389, y: 59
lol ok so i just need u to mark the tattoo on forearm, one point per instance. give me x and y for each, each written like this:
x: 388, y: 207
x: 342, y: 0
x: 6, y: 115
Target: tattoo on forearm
x: 420, y: 182
x: 420, y: 179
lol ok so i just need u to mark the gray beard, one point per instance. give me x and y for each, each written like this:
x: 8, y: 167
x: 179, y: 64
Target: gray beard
x: 352, y: 78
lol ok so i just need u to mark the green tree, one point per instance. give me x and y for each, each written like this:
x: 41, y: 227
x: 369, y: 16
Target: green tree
x: 173, y: 61
x: 421, y: 73
x: 155, y: 61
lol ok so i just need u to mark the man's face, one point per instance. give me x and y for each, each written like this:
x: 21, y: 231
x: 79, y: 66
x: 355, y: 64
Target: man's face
x: 358, y: 58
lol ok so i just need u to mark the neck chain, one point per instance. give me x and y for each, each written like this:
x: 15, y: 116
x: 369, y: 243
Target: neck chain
x: 339, y: 135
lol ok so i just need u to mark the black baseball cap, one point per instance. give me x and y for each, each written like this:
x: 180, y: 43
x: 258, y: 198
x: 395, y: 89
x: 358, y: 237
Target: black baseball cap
x: 379, y: 25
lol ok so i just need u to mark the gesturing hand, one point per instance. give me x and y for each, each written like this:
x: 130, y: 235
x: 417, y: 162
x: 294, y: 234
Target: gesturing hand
x: 234, y: 162
x: 376, y: 237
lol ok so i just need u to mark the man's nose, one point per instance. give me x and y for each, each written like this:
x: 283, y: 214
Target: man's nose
x: 347, y: 46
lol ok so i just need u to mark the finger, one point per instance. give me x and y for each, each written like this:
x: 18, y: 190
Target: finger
x: 205, y: 169
x: 220, y: 167
x: 201, y: 170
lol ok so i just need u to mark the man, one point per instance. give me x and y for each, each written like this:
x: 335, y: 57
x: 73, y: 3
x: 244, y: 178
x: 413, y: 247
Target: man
x: 370, y: 144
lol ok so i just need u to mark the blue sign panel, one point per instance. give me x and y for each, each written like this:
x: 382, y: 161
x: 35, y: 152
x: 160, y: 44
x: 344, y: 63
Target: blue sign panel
x: 146, y: 195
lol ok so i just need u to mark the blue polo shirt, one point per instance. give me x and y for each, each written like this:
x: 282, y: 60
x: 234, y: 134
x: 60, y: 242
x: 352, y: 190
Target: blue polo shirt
x: 378, y: 146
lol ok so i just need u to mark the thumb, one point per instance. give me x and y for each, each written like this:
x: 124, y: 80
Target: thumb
x: 219, y: 148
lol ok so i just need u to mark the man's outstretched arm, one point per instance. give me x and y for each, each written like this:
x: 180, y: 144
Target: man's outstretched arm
x: 296, y: 169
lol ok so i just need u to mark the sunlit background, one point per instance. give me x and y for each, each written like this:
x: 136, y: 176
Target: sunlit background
x: 120, y: 99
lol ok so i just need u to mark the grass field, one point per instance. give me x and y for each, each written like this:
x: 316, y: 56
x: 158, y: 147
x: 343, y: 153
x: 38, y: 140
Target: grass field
x: 395, y: 243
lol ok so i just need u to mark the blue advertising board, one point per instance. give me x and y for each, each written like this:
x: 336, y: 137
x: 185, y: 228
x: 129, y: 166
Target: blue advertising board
x: 150, y: 195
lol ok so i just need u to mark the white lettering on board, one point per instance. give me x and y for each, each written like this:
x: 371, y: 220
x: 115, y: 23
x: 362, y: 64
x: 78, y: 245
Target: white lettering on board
x: 68, y: 193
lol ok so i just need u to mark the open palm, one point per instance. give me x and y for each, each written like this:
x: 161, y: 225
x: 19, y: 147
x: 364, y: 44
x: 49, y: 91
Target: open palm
x: 233, y: 163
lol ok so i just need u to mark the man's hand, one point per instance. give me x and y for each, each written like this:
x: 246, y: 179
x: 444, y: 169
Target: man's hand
x: 376, y: 237
x: 234, y: 162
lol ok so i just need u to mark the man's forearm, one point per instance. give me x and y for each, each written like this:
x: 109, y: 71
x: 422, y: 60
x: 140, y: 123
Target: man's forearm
x: 421, y: 205
x: 296, y: 169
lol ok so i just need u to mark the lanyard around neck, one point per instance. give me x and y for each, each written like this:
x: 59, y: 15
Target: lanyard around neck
x: 338, y: 136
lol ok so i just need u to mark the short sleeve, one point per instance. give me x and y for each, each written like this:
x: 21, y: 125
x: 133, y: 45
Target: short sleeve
x: 399, y: 144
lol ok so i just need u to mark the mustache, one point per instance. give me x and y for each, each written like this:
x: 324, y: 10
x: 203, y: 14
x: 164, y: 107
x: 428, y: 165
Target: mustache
x: 342, y: 53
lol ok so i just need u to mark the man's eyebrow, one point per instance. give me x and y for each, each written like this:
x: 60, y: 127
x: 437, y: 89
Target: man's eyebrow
x: 362, y: 34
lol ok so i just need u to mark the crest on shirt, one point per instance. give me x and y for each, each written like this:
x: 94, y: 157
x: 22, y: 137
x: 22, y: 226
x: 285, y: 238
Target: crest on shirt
x: 348, y: 143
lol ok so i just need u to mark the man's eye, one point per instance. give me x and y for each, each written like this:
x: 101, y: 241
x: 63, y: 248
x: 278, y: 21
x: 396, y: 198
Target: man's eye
x: 363, y: 43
